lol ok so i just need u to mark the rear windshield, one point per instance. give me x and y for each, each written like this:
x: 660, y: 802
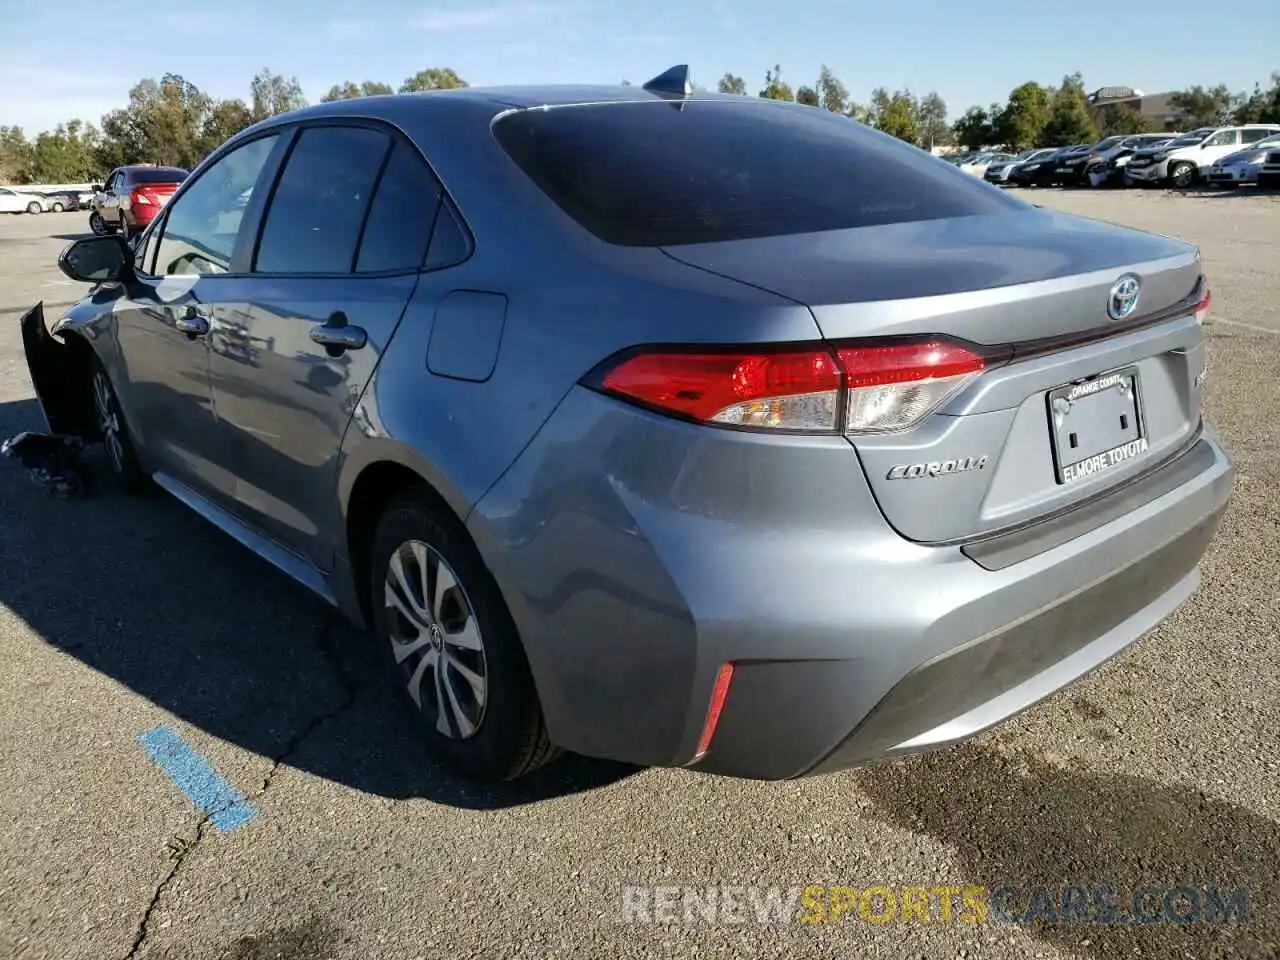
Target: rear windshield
x: 158, y: 175
x: 650, y: 174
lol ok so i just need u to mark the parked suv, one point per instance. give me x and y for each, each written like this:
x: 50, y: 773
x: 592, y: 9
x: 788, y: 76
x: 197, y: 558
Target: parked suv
x: 1190, y: 157
x: 131, y: 198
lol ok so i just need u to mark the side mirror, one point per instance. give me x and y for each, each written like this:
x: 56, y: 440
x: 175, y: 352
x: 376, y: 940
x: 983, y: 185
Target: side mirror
x: 96, y: 260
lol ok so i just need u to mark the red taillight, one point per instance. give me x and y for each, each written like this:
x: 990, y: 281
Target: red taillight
x: 718, y: 694
x: 747, y: 389
x: 880, y: 387
x: 139, y: 197
x: 1202, y: 308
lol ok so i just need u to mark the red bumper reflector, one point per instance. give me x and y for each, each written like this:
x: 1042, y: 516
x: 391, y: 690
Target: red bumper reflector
x: 718, y: 694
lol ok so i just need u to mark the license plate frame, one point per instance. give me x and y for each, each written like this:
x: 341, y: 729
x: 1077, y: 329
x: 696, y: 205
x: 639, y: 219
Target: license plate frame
x: 1110, y: 394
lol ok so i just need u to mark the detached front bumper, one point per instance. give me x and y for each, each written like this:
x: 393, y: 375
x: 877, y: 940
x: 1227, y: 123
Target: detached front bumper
x: 1151, y: 173
x: 59, y: 374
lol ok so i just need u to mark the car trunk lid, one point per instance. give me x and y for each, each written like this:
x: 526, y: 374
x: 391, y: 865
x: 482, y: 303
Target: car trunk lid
x: 1073, y: 401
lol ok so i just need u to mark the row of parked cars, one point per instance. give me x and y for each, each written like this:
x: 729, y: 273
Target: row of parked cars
x: 1220, y: 156
x: 17, y: 200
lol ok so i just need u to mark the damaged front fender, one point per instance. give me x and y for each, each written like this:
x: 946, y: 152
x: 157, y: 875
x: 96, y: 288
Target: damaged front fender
x: 61, y: 369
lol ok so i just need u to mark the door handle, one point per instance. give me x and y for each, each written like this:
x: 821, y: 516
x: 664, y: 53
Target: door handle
x: 338, y: 336
x: 192, y: 323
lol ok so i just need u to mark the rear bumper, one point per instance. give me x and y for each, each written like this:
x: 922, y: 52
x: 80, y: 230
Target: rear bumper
x: 656, y: 553
x: 140, y: 215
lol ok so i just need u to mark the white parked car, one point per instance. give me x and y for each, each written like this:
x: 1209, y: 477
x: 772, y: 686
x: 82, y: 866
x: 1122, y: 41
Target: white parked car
x: 15, y: 201
x: 1191, y: 156
x: 978, y: 165
x: 1242, y: 167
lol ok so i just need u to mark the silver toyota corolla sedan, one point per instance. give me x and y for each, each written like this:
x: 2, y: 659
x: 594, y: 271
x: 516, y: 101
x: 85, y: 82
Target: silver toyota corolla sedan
x: 669, y: 427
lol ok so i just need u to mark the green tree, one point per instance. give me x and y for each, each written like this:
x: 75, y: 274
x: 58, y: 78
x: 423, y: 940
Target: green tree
x: 860, y: 112
x: 833, y: 94
x: 225, y: 120
x: 1020, y: 124
x: 808, y: 96
x: 877, y: 106
x: 931, y: 121
x: 162, y: 124
x: 1120, y: 118
x: 271, y: 94
x: 1261, y: 106
x: 1201, y: 107
x: 730, y: 83
x: 15, y: 156
x: 433, y: 78
x: 898, y: 118
x: 66, y: 154
x: 351, y: 91
x: 774, y: 88
x: 973, y: 131
x: 1070, y: 116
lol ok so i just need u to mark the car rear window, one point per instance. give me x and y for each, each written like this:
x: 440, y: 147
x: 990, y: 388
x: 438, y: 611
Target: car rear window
x: 655, y: 174
x: 158, y: 175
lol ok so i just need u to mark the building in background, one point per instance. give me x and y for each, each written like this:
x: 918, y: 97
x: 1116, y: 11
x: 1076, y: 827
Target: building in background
x: 1155, y: 107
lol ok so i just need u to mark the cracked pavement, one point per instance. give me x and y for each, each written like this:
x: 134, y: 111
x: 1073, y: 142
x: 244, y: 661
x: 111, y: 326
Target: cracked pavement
x: 118, y: 616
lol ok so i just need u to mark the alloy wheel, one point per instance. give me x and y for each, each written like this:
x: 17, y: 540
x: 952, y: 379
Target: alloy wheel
x: 436, y: 640
x: 97, y: 224
x: 108, y: 421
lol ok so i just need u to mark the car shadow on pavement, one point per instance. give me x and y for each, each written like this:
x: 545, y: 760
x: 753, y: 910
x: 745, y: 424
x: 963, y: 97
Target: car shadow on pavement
x: 151, y: 595
x: 1025, y: 822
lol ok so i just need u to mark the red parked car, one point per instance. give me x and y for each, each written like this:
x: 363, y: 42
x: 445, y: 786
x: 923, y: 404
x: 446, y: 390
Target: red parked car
x: 131, y: 198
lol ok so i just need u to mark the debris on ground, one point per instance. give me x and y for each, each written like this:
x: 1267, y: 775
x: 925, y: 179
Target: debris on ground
x: 52, y: 461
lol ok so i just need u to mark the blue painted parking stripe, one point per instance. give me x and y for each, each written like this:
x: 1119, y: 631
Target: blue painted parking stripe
x: 225, y: 806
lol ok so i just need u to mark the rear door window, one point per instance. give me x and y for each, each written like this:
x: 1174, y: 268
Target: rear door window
x: 647, y: 174
x: 313, y: 222
x: 404, y: 208
x: 1253, y: 136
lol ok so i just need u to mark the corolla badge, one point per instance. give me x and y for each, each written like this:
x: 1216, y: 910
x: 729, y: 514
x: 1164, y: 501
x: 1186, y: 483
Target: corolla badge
x: 1123, y: 298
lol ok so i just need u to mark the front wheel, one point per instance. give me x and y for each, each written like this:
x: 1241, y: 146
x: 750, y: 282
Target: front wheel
x: 450, y: 646
x: 57, y: 208
x: 33, y: 207
x: 1182, y: 175
x: 114, y: 431
x: 97, y: 224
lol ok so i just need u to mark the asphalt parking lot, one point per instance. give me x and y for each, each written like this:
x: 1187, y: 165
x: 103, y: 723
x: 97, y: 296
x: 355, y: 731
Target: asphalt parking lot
x: 121, y: 617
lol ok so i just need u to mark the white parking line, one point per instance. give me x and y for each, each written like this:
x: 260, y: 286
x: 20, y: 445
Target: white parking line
x: 1247, y: 326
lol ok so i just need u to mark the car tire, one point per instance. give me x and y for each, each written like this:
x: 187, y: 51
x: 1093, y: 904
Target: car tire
x: 117, y: 441
x: 1182, y: 175
x: 97, y: 224
x: 440, y: 625
x: 57, y: 208
x: 33, y: 207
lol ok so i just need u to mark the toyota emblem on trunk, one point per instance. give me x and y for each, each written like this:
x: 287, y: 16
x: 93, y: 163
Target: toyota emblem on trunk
x: 1123, y: 298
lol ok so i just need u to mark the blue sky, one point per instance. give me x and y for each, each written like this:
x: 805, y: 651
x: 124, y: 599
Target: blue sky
x: 55, y: 63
